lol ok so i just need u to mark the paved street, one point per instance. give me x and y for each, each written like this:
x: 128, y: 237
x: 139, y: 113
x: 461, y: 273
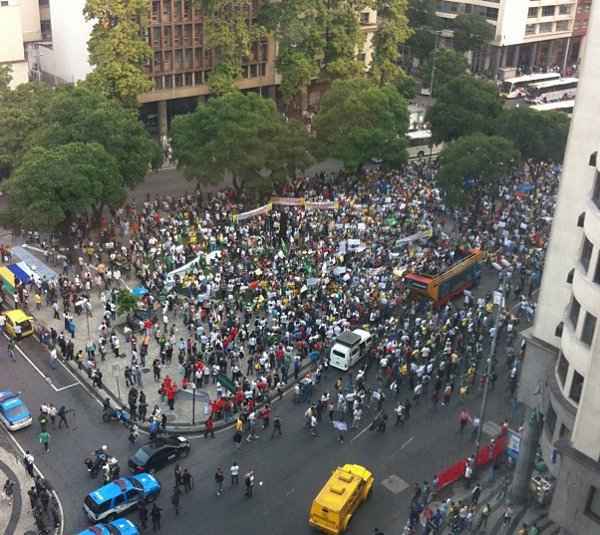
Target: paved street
x: 292, y: 468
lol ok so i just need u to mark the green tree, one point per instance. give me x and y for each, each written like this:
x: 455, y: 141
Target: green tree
x: 539, y: 136
x: 472, y: 165
x: 118, y: 49
x: 424, y: 22
x: 317, y: 40
x: 445, y: 64
x: 392, y: 31
x: 239, y: 135
x: 471, y: 32
x: 126, y: 302
x: 77, y: 114
x: 359, y: 120
x: 5, y: 79
x: 53, y: 185
x: 464, y: 106
x: 230, y: 33
x: 22, y: 111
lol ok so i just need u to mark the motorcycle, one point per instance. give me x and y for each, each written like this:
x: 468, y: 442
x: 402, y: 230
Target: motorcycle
x: 94, y: 466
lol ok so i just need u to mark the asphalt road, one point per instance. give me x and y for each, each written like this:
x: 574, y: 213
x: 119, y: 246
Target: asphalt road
x: 292, y: 468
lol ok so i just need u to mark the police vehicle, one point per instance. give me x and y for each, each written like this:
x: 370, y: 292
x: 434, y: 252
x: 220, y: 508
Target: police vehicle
x: 120, y: 526
x: 116, y: 497
x: 14, y: 414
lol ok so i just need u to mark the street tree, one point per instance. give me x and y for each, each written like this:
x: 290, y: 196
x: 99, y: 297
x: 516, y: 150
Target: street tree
x: 118, y: 49
x: 22, y: 111
x: 465, y: 105
x: 230, y: 33
x: 359, y: 120
x: 424, y: 22
x: 472, y: 166
x: 317, y: 40
x: 540, y: 136
x: 53, y: 185
x: 444, y: 64
x: 471, y: 32
x: 237, y: 135
x: 126, y: 302
x: 5, y: 78
x: 392, y: 31
x: 78, y: 114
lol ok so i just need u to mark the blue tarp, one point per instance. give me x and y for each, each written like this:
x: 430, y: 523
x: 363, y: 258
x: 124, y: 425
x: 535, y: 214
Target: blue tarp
x: 19, y: 274
x: 39, y: 267
x: 139, y: 291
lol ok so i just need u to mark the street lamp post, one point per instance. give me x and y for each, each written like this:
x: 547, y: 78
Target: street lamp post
x: 500, y: 301
x: 194, y: 403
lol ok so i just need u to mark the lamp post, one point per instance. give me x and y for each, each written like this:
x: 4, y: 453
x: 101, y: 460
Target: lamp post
x: 194, y: 403
x: 499, y: 300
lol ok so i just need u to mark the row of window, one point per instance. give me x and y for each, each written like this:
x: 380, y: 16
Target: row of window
x: 490, y: 13
x: 562, y: 370
x: 589, y: 322
x: 550, y: 421
x: 191, y: 79
x: 547, y: 27
x: 549, y: 11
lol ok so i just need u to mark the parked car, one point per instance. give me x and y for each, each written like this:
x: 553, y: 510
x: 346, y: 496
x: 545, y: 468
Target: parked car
x: 120, y: 526
x: 14, y: 414
x: 159, y: 453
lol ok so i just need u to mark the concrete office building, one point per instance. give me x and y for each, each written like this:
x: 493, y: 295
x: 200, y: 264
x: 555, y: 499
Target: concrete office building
x: 561, y: 369
x: 528, y: 33
x: 20, y: 28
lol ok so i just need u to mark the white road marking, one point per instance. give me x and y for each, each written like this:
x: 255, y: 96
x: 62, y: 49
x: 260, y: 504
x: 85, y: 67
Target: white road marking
x: 39, y: 472
x: 359, y: 434
x: 406, y: 443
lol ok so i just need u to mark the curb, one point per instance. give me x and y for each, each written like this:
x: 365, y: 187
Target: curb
x: 17, y: 507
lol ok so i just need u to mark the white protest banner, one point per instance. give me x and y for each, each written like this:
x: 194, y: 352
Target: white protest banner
x: 252, y: 213
x: 288, y: 201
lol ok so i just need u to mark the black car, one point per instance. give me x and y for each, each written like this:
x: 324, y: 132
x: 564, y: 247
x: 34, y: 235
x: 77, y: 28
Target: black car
x: 159, y: 453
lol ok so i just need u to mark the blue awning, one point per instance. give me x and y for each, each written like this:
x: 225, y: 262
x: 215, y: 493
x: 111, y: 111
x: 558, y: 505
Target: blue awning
x: 19, y: 274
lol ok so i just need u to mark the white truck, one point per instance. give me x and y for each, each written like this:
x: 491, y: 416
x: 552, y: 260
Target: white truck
x: 349, y: 348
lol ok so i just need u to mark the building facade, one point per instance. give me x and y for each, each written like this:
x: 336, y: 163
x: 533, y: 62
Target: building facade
x: 20, y: 29
x: 529, y: 34
x: 561, y: 369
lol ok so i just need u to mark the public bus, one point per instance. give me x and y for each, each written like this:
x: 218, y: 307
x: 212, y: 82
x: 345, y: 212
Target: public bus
x: 563, y: 89
x: 442, y: 287
x: 566, y: 106
x: 419, y: 144
x: 515, y: 87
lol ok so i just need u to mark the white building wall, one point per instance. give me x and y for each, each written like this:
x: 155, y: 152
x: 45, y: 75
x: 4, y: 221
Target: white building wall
x: 12, y: 51
x: 512, y: 18
x: 69, y: 58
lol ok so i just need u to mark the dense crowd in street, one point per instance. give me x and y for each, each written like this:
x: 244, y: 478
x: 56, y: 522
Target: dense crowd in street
x: 256, y: 299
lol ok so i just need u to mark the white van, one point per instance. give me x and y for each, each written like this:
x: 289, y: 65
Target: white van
x: 349, y: 348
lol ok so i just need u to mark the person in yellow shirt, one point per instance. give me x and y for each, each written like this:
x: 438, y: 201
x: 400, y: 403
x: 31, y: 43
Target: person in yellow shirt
x: 38, y: 300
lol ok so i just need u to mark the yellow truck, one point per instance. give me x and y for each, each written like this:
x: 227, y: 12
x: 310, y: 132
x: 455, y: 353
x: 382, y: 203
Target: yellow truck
x: 347, y: 488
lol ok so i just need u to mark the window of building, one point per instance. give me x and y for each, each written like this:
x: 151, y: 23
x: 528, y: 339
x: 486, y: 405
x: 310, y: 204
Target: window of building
x: 597, y: 271
x: 491, y: 13
x: 576, y: 386
x: 546, y: 27
x: 468, y: 8
x: 548, y: 11
x: 562, y: 368
x: 532, y: 13
x: 189, y: 79
x: 581, y: 220
x: 253, y: 70
x: 592, y: 506
x: 558, y: 330
x: 586, y: 253
x: 564, y: 9
x: 550, y: 420
x: 589, y: 327
x: 364, y: 17
x: 570, y: 276
x: 574, y: 312
x: 596, y: 190
x: 4, y: 3
x: 158, y: 82
x: 178, y: 80
x: 169, y: 82
x: 563, y: 26
x: 530, y: 29
x: 46, y: 28
x: 262, y: 69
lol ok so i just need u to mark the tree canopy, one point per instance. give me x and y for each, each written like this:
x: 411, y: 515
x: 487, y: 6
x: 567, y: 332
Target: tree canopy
x: 359, y: 120
x: 472, y: 165
x: 539, y: 136
x: 471, y: 32
x: 445, y: 64
x: 77, y: 114
x: 53, y: 185
x: 392, y: 31
x: 118, y: 49
x: 237, y: 134
x: 464, y: 106
x: 422, y: 19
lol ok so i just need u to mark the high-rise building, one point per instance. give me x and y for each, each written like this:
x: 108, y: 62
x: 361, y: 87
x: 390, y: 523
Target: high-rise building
x: 561, y: 368
x: 528, y: 33
x: 20, y: 28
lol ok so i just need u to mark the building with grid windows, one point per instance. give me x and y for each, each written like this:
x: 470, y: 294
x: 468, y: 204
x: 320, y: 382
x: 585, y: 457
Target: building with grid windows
x: 528, y: 33
x: 561, y: 368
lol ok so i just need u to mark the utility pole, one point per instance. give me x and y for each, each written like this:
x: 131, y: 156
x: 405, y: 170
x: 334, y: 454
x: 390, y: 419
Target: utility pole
x: 437, y: 38
x: 500, y: 300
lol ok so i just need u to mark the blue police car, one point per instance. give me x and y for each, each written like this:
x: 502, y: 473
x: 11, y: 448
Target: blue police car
x: 120, y: 526
x: 14, y: 414
x: 116, y: 497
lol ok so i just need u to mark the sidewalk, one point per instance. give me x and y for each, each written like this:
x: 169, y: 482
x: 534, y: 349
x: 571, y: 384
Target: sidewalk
x: 17, y: 518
